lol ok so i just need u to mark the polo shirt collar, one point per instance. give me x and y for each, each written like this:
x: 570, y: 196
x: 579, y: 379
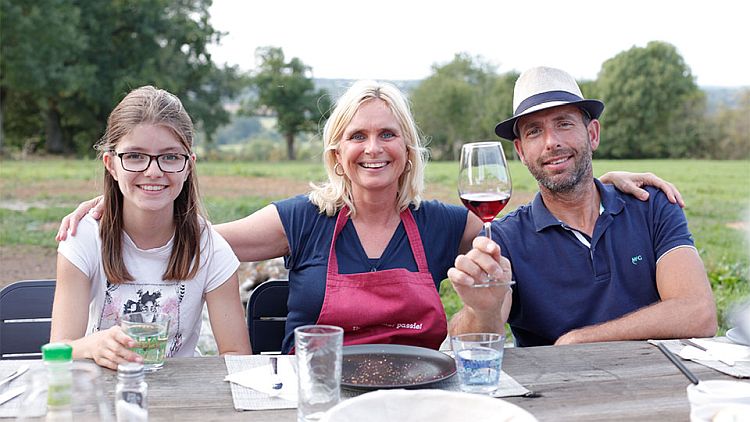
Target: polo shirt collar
x: 543, y: 218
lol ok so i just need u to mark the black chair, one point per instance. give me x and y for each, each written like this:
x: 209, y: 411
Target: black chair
x: 25, y: 317
x: 266, y: 315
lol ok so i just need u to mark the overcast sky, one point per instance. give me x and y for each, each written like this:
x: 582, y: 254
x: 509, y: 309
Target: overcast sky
x: 403, y: 39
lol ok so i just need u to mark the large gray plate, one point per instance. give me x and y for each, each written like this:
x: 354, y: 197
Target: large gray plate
x: 376, y: 366
x: 735, y: 335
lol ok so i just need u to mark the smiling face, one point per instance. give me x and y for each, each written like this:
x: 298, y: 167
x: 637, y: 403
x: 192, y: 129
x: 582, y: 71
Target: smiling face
x: 556, y: 145
x: 372, y: 151
x: 149, y: 190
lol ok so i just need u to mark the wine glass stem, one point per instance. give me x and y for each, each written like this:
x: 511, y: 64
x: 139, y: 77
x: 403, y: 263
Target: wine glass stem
x: 488, y: 229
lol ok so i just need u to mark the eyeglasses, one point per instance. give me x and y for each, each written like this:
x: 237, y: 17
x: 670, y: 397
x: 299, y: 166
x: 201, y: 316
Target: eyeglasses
x: 170, y: 162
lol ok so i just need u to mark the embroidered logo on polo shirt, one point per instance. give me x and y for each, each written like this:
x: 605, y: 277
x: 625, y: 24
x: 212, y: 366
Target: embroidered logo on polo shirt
x: 635, y: 259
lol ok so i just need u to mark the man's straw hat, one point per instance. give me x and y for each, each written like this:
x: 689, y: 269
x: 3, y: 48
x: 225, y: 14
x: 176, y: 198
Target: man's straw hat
x: 540, y: 88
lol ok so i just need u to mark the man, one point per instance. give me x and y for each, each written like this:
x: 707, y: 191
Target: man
x: 590, y: 263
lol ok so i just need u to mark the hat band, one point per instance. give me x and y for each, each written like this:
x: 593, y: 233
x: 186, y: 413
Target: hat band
x: 546, y: 97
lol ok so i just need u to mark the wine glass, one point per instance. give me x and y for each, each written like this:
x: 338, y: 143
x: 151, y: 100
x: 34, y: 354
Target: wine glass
x: 484, y: 187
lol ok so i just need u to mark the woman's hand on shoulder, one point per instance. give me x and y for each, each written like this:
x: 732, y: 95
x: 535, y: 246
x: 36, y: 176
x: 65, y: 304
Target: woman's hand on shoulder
x: 633, y: 183
x: 70, y: 221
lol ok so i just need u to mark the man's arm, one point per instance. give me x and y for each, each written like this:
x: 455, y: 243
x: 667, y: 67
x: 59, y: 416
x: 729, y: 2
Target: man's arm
x: 686, y: 309
x: 485, y: 309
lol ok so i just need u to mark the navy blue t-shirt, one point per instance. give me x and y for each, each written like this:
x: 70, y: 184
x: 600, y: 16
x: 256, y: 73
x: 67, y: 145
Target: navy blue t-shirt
x: 561, y: 284
x: 309, y: 234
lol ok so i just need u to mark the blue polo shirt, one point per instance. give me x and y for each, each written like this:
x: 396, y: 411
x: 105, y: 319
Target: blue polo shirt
x: 562, y: 284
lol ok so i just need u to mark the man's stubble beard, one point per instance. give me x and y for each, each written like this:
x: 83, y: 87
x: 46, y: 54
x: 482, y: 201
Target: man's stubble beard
x: 583, y: 170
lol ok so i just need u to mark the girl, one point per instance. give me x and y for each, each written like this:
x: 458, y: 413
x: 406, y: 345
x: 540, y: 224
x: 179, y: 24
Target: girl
x: 152, y: 248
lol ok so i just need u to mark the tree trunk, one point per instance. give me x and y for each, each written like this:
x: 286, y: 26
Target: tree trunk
x: 290, y: 146
x: 53, y: 129
x: 2, y: 128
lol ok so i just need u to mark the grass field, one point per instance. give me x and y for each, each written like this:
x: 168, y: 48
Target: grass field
x: 35, y: 195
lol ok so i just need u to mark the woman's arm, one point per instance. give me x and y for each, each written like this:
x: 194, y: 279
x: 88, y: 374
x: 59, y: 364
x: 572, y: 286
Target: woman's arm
x: 70, y: 310
x: 227, y: 318
x: 257, y: 237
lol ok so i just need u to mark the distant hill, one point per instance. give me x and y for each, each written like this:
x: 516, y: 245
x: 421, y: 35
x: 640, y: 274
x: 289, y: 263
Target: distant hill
x: 715, y: 96
x: 721, y: 96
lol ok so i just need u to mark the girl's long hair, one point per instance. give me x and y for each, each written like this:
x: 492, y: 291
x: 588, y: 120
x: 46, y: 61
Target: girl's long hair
x: 152, y: 106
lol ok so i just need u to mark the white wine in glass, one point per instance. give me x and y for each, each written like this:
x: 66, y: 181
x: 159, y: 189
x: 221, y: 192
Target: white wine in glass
x: 484, y: 186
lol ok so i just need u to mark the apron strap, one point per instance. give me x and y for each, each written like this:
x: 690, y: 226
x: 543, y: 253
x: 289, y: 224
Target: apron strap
x: 412, y: 233
x: 415, y: 240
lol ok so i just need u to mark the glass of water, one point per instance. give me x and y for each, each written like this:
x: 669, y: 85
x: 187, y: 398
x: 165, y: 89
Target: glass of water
x: 318, y: 349
x: 479, y: 361
x: 86, y: 397
x: 150, y: 330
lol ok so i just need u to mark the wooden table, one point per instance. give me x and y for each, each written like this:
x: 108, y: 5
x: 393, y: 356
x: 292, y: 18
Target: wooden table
x: 600, y: 381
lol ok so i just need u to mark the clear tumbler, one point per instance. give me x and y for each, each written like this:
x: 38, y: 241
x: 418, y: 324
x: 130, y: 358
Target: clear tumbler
x: 318, y: 350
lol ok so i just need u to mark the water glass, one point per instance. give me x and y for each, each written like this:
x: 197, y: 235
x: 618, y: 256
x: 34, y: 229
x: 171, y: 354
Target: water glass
x: 318, y: 350
x: 479, y: 359
x: 87, y: 402
x: 150, y: 330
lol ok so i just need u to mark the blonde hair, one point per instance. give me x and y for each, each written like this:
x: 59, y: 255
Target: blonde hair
x: 151, y: 106
x: 332, y: 195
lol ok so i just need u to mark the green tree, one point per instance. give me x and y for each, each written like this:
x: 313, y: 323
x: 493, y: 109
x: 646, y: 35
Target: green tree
x: 461, y: 102
x: 650, y: 96
x: 732, y: 129
x: 41, y: 66
x: 286, y: 90
x: 74, y: 60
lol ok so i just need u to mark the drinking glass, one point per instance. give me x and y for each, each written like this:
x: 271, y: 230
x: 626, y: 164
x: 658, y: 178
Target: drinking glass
x: 87, y: 401
x: 479, y: 361
x: 484, y: 187
x: 150, y: 330
x: 318, y: 349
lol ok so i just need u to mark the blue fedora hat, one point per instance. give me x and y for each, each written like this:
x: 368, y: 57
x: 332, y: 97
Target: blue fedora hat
x: 540, y: 88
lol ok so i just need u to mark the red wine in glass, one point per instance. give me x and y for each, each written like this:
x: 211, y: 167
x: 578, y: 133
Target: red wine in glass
x: 485, y: 205
x: 484, y: 186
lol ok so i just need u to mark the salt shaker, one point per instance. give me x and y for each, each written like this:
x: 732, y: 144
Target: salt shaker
x: 131, y: 393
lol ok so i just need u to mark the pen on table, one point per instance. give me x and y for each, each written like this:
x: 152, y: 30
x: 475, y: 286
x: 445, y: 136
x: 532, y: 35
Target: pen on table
x: 277, y: 382
x: 677, y: 363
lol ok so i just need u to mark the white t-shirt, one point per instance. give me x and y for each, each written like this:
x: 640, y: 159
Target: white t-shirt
x: 182, y: 300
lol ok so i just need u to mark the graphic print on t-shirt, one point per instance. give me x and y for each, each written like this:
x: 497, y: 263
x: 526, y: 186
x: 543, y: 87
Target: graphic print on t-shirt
x: 126, y: 298
x: 147, y: 302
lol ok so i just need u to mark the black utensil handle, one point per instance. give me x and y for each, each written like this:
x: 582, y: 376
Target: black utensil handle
x: 677, y: 363
x: 274, y: 365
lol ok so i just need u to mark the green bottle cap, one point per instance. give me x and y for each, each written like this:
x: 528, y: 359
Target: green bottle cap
x: 57, y: 352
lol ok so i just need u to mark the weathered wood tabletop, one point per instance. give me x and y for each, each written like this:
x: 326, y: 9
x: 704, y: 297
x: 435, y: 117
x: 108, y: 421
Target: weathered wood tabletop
x: 600, y: 381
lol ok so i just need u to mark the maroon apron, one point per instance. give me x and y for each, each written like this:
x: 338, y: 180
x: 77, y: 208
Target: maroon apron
x: 390, y: 306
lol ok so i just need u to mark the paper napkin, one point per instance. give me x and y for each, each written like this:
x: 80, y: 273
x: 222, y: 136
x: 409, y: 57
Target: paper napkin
x: 262, y: 379
x: 716, y: 351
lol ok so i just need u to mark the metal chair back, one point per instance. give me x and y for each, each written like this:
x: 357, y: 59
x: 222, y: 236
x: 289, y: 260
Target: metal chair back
x: 25, y: 317
x: 266, y: 315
